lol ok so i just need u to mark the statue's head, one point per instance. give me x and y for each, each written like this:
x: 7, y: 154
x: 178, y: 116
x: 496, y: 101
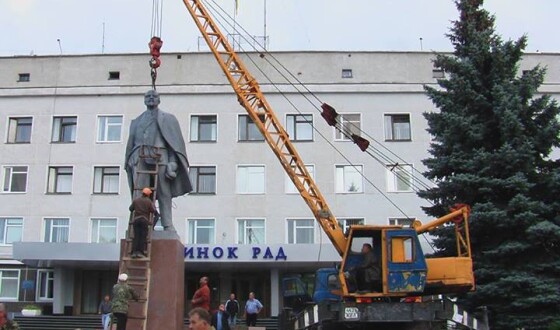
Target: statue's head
x: 151, y: 99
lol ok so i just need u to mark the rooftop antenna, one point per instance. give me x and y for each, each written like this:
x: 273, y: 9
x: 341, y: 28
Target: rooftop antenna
x: 59, y: 46
x: 103, y: 40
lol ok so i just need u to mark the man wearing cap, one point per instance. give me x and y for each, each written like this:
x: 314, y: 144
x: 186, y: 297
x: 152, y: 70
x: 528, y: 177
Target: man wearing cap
x: 142, y: 208
x: 122, y: 293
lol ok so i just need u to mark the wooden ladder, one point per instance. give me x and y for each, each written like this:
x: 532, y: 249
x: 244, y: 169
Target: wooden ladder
x: 139, y: 269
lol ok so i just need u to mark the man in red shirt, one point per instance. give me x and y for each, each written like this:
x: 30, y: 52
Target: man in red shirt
x: 201, y: 297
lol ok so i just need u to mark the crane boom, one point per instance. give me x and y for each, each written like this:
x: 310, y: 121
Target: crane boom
x: 250, y: 96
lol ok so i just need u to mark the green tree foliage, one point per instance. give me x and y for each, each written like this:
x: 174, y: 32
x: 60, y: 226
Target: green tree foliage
x: 493, y: 136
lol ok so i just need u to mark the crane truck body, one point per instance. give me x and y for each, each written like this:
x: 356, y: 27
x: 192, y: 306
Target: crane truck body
x: 405, y: 271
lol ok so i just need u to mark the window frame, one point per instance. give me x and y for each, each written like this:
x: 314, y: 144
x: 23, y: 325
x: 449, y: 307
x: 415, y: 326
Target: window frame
x: 237, y: 190
x: 4, y: 167
x: 397, y: 221
x: 244, y: 220
x: 196, y: 184
x: 288, y: 184
x: 338, y: 136
x: 60, y: 129
x: 57, y: 175
x: 347, y: 74
x: 3, y: 240
x: 98, y: 124
x: 198, y: 140
x: 194, y: 239
x: 385, y: 128
x: 50, y: 284
x: 293, y: 137
x: 247, y: 131
x: 24, y: 77
x: 15, y: 134
x: 336, y: 191
x: 103, y: 167
x: 2, y: 270
x: 294, y: 220
x: 93, y: 219
x: 392, y: 179
x: 345, y: 226
x: 44, y: 229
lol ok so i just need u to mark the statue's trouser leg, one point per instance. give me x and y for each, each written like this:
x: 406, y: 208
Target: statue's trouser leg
x: 164, y: 200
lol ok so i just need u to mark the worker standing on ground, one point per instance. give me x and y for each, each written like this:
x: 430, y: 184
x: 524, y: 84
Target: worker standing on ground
x: 201, y: 297
x: 122, y: 293
x: 142, y: 208
x: 252, y: 308
x: 232, y: 308
x: 199, y: 319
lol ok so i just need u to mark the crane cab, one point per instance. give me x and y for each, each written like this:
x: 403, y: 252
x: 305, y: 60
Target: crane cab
x: 398, y: 257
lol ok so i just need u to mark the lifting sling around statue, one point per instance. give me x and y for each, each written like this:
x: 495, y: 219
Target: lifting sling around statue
x: 155, y: 142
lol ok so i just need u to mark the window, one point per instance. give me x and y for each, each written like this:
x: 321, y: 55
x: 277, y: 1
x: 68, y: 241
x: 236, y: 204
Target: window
x: 248, y: 131
x: 250, y: 231
x: 204, y: 128
x: 400, y: 221
x: 114, y: 75
x: 109, y: 128
x: 203, y: 179
x: 106, y: 180
x: 103, y: 230
x: 250, y: 179
x: 24, y: 77
x: 346, y: 73
x: 300, y: 127
x: 345, y: 223
x: 349, y: 179
x: 397, y: 127
x: 350, y: 124
x: 56, y: 230
x: 15, y: 179
x: 19, y: 130
x: 301, y: 231
x: 438, y: 73
x: 9, y: 284
x: 399, y: 178
x: 402, y: 249
x: 64, y: 129
x: 290, y: 186
x: 201, y: 231
x: 45, y: 284
x: 60, y: 180
x: 11, y: 230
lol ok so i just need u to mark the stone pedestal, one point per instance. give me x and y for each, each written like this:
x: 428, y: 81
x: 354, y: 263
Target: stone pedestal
x: 166, y: 304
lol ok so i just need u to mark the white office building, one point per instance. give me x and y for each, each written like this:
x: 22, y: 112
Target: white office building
x: 64, y: 201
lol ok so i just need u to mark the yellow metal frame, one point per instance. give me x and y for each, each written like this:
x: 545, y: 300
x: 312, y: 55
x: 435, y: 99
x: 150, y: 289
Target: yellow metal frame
x: 252, y: 99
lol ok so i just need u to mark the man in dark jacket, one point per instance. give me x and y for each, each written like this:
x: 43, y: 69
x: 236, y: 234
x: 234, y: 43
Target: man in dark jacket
x: 232, y: 308
x: 368, y: 271
x: 142, y: 208
x: 220, y: 319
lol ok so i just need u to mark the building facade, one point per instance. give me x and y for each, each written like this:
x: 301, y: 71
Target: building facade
x: 64, y: 198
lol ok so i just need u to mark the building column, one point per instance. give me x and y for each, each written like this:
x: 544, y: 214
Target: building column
x: 63, y: 289
x: 275, y: 292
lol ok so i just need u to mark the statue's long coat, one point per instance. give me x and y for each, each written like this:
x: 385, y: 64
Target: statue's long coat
x: 171, y: 132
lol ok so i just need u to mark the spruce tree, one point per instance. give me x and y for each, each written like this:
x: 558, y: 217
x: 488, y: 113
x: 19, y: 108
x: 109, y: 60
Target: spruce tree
x: 493, y: 134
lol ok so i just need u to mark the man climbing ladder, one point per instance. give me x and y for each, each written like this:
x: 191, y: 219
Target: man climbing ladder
x: 142, y: 209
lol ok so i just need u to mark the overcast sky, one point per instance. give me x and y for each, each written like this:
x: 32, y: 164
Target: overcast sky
x: 33, y: 26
